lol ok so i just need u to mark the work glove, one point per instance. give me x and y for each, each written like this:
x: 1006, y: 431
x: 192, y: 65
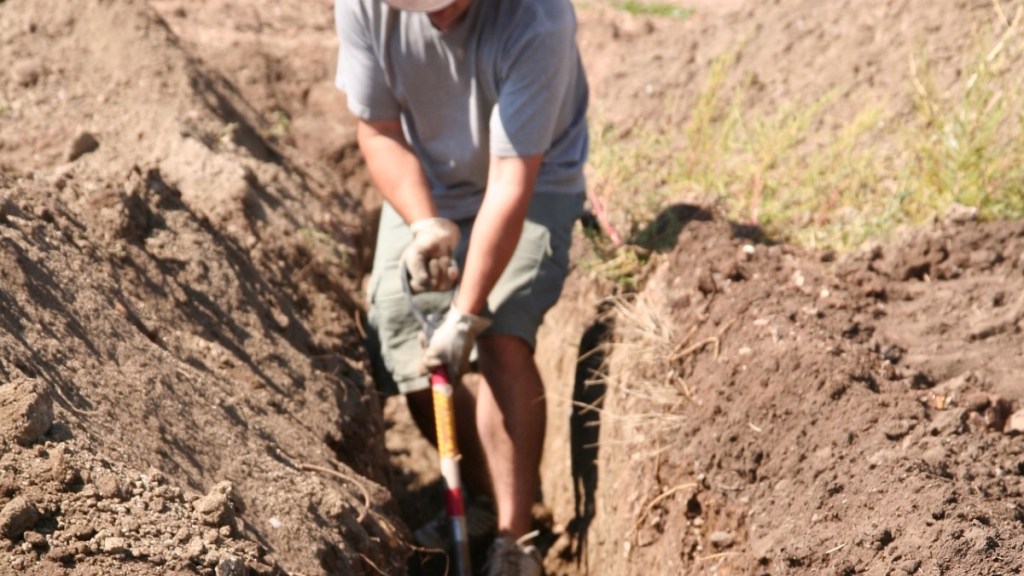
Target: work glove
x: 452, y: 342
x: 428, y: 259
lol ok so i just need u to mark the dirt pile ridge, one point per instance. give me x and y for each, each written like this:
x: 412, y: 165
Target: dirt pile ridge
x: 772, y: 411
x: 181, y: 381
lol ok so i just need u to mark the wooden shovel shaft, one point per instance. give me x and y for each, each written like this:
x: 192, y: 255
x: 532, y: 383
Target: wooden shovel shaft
x: 448, y: 448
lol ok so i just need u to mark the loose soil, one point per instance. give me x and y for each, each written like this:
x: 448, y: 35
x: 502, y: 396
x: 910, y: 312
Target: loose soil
x: 185, y: 229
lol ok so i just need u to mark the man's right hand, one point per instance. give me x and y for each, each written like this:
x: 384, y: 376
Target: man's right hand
x: 428, y: 259
x: 452, y: 342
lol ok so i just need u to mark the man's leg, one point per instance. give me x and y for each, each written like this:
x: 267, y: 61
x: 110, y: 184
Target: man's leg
x: 511, y: 419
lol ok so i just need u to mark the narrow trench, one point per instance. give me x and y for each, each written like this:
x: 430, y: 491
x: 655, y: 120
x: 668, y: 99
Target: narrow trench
x: 564, y: 516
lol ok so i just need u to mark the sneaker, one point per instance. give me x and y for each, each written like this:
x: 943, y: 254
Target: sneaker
x: 514, y: 557
x: 481, y: 523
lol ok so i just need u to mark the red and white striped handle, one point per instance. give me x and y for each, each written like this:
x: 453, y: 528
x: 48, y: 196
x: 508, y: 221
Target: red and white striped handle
x: 448, y: 448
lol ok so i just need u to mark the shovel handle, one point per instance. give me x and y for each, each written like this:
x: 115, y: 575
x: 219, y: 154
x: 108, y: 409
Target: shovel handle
x: 448, y: 449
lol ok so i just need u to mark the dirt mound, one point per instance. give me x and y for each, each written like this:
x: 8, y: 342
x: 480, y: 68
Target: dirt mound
x: 771, y: 411
x: 182, y: 382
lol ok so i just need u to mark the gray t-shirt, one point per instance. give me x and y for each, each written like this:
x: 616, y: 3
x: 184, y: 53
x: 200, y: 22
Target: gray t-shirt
x: 506, y: 81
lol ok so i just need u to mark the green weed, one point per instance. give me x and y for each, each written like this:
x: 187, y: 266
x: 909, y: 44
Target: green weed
x: 647, y: 8
x: 325, y: 249
x: 280, y: 125
x: 971, y: 148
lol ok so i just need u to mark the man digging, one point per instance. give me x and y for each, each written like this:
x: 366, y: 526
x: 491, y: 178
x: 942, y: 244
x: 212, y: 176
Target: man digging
x: 472, y: 124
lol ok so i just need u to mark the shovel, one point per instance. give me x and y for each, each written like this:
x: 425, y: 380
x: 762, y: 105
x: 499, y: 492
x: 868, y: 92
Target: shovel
x: 447, y: 446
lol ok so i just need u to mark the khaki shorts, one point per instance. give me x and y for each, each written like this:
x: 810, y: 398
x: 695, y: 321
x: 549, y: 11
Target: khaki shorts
x: 529, y: 286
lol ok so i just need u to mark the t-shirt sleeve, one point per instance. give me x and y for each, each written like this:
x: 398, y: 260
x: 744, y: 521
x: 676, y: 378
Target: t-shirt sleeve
x: 537, y: 69
x: 360, y: 73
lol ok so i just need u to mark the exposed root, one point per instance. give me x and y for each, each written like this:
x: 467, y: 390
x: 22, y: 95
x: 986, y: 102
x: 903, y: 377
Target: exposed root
x: 654, y: 502
x: 367, y: 501
x: 718, y: 556
x: 330, y: 472
x: 358, y: 319
x: 695, y: 348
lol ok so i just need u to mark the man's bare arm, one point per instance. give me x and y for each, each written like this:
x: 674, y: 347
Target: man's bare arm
x: 395, y: 169
x: 510, y: 185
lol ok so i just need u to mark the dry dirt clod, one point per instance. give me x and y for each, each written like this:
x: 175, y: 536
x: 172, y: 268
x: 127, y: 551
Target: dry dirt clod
x: 706, y: 283
x: 27, y: 73
x: 34, y: 538
x: 83, y: 144
x: 218, y: 507
x: 195, y: 549
x: 1015, y: 423
x: 109, y: 486
x: 998, y: 413
x: 722, y: 540
x: 231, y: 566
x: 26, y: 411
x: 17, y: 516
x: 960, y: 214
x: 114, y: 545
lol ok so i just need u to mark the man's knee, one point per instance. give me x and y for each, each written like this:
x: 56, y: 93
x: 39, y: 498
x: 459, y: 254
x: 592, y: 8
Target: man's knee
x: 501, y: 348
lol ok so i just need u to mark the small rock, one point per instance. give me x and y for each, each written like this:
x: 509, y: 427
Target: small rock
x: 897, y: 429
x: 62, y: 471
x: 34, y: 538
x: 109, y: 486
x: 798, y: 279
x: 114, y: 545
x: 17, y: 516
x: 60, y: 554
x: 722, y: 540
x: 182, y: 534
x: 231, y: 566
x: 960, y: 214
x: 998, y: 413
x: 83, y: 144
x: 1015, y: 423
x: 195, y: 549
x: 80, y: 532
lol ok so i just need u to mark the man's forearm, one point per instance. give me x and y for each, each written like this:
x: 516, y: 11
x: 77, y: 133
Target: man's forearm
x: 497, y: 228
x: 395, y: 170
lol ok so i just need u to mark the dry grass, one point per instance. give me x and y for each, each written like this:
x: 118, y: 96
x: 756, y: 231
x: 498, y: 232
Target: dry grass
x: 871, y: 176
x: 644, y: 375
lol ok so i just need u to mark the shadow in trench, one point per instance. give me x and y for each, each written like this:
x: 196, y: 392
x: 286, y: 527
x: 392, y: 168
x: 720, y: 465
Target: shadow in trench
x: 585, y: 428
